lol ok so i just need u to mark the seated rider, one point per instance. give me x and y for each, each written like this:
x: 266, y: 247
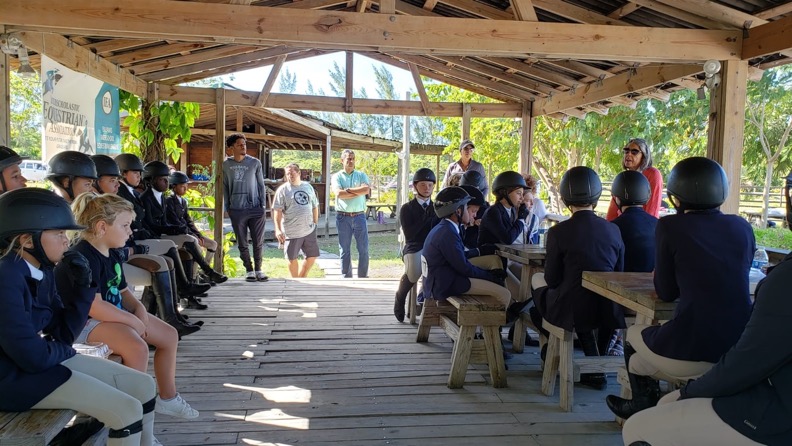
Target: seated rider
x: 703, y: 260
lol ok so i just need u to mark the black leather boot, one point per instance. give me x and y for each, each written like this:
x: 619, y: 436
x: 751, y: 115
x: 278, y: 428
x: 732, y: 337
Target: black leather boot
x: 176, y: 293
x: 589, y: 344
x: 163, y: 293
x: 197, y: 256
x: 645, y: 392
x: 180, y: 268
x: 401, y: 297
x: 148, y: 300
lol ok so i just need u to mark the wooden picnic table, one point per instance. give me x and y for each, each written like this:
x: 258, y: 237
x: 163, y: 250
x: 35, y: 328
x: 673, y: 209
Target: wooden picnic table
x: 372, y: 208
x: 635, y: 291
x: 532, y: 258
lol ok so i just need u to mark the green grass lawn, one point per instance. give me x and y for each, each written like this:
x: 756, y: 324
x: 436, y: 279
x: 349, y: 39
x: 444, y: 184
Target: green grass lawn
x: 774, y: 238
x: 384, y: 261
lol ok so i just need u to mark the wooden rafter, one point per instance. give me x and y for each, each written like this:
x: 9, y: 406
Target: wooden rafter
x: 524, y: 10
x: 629, y: 81
x: 774, y: 37
x: 776, y: 11
x: 113, y: 45
x: 142, y: 55
x: 221, y: 62
x: 273, y: 75
x: 716, y: 12
x: 499, y: 77
x: 239, y: 67
x: 419, y: 86
x: 351, y: 31
x: 198, y: 57
x: 624, y: 10
x: 576, y: 13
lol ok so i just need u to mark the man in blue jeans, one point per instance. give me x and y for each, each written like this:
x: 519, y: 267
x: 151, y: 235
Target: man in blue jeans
x: 351, y: 187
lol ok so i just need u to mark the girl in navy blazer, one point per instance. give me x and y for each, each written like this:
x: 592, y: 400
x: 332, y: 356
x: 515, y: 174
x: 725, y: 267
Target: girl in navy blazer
x: 39, y: 369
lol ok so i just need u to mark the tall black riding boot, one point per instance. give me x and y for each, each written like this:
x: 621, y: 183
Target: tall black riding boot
x: 401, y: 297
x: 186, y: 285
x: 148, y: 300
x: 197, y: 256
x: 176, y: 293
x: 192, y: 302
x: 589, y: 344
x: 645, y: 392
x: 163, y: 293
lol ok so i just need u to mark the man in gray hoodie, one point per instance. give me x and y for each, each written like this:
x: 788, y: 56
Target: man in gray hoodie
x: 244, y: 196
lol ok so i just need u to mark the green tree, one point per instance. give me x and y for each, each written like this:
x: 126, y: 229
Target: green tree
x: 769, y: 123
x: 287, y: 83
x: 25, y: 116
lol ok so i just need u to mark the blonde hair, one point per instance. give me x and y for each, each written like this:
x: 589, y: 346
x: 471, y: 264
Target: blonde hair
x: 454, y: 179
x: 90, y: 208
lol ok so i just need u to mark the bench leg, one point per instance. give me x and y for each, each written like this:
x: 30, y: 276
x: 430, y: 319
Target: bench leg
x: 429, y: 318
x: 566, y: 370
x: 461, y: 356
x: 550, y: 366
x: 494, y: 349
x: 412, y: 306
x: 518, y: 342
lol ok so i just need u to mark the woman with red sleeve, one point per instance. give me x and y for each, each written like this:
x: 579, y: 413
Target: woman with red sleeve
x: 638, y: 157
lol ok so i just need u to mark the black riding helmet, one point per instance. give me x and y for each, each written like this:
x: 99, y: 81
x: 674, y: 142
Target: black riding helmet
x: 70, y: 164
x: 8, y: 158
x: 105, y: 166
x: 449, y: 200
x: 631, y: 188
x: 34, y: 210
x: 698, y: 183
x: 129, y: 161
x: 580, y: 186
x: 178, y: 177
x: 476, y: 197
x: 424, y: 174
x: 506, y: 181
x: 473, y: 178
x: 154, y: 169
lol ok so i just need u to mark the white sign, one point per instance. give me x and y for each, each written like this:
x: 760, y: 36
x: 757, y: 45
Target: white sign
x: 80, y: 112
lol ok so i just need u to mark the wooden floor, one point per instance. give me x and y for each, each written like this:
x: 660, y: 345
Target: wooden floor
x: 324, y: 362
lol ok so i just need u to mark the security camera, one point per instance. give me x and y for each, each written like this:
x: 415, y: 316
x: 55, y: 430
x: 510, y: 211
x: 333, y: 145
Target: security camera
x: 711, y: 68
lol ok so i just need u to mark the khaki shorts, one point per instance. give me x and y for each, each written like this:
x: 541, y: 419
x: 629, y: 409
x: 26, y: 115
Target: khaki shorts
x: 307, y: 244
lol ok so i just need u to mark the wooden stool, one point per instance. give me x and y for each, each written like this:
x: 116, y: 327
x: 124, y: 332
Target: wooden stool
x: 560, y: 359
x: 469, y: 312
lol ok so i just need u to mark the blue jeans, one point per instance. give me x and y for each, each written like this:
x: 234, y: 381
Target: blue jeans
x: 347, y: 228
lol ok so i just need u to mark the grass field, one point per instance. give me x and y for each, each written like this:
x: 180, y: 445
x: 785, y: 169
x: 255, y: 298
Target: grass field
x: 383, y: 254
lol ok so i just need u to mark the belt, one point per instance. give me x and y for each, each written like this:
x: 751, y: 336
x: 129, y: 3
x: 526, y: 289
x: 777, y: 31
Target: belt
x: 350, y: 214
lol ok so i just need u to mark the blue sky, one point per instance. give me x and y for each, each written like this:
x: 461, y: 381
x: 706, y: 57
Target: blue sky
x: 316, y: 71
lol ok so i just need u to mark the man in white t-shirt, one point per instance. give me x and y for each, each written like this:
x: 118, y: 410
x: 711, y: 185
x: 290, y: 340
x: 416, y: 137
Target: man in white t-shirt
x: 295, y: 213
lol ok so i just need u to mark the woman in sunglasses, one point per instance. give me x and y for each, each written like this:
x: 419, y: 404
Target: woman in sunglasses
x: 638, y: 157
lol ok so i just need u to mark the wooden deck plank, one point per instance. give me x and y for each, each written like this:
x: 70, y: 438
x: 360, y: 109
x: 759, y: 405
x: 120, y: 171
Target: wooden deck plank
x: 330, y: 365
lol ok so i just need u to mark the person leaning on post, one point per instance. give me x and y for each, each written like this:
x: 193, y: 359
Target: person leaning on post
x: 11, y: 177
x: 638, y: 157
x: 296, y: 214
x: 702, y: 260
x: 466, y: 163
x: 350, y: 187
x: 746, y: 397
x: 417, y: 218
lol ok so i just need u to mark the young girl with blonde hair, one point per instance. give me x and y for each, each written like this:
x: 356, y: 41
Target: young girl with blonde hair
x: 117, y: 318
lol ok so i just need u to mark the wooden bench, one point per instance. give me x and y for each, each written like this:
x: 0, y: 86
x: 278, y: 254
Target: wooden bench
x: 39, y: 427
x: 459, y: 317
x: 560, y: 359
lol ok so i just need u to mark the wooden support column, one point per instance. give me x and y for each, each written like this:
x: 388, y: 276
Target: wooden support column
x: 218, y: 155
x: 350, y: 82
x: 5, y: 98
x: 437, y: 172
x: 466, y: 112
x: 726, y: 127
x: 525, y: 160
x: 327, y: 176
x: 404, y: 161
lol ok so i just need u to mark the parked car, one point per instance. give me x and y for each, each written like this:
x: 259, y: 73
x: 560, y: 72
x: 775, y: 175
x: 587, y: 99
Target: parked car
x: 34, y: 170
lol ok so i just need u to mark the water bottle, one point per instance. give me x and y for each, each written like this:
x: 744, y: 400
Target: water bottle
x: 760, y: 259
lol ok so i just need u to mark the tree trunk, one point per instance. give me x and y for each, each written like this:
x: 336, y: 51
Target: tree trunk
x: 552, y: 189
x: 766, y: 198
x: 156, y: 150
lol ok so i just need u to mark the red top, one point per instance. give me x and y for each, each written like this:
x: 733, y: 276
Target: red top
x: 652, y: 207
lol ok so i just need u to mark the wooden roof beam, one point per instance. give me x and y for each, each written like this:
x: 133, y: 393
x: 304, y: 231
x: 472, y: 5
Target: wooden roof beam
x: 774, y: 37
x: 239, y: 67
x: 176, y: 61
x: 273, y: 75
x: 82, y: 60
x: 576, y: 13
x: 218, y: 63
x: 500, y: 76
x: 260, y: 137
x: 379, y: 32
x: 155, y: 52
x: 629, y: 81
x: 419, y: 86
x: 524, y: 10
x: 625, y: 10
x: 716, y: 12
x: 114, y: 45
x: 776, y: 11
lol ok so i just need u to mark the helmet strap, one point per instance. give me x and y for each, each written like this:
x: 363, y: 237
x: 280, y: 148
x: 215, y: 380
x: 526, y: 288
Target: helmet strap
x: 2, y: 181
x: 418, y: 194
x: 38, y: 251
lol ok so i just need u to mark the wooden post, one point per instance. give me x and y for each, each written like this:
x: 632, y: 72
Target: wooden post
x: 726, y: 127
x: 218, y: 157
x: 349, y: 82
x: 405, y: 165
x: 327, y: 175
x: 525, y: 160
x: 183, y: 157
x: 466, y: 111
x: 5, y: 97
x: 438, y: 173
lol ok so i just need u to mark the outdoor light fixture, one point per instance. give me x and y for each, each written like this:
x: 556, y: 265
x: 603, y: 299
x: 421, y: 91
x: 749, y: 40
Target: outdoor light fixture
x: 10, y: 44
x: 711, y: 70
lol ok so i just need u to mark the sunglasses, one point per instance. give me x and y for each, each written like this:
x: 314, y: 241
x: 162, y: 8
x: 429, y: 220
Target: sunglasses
x: 633, y: 152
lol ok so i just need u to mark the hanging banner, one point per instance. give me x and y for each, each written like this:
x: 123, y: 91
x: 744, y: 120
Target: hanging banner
x: 80, y: 112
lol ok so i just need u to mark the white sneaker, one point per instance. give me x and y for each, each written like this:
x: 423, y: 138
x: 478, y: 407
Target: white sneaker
x: 156, y: 442
x: 251, y: 276
x: 175, y: 407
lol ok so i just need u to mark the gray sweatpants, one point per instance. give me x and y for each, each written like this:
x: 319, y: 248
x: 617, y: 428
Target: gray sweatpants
x: 251, y: 221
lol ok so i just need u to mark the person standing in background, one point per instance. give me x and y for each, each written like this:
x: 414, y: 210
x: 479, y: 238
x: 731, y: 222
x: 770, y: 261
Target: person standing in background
x: 638, y: 157
x: 466, y: 163
x: 351, y: 187
x: 295, y: 213
x: 244, y: 197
